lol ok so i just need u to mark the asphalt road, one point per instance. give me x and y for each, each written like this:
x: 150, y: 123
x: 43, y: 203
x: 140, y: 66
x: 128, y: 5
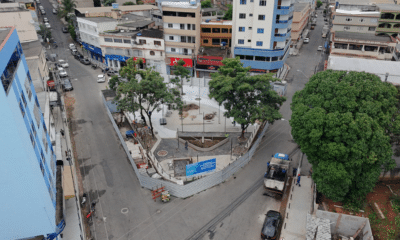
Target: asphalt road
x: 125, y: 210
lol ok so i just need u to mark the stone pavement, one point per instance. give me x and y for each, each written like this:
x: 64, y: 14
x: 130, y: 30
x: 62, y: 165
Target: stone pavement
x: 298, y: 206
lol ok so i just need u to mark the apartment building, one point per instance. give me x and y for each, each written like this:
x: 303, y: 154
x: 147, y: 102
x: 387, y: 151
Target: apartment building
x: 301, y: 16
x: 28, y: 174
x: 181, y: 32
x: 261, y: 33
x: 389, y: 20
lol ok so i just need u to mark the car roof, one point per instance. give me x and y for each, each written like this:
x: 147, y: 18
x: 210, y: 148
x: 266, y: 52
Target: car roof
x: 101, y: 75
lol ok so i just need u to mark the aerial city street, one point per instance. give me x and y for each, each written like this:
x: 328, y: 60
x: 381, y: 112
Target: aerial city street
x: 200, y: 119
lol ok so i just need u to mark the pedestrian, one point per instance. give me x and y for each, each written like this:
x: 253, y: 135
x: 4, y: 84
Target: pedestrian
x: 294, y: 172
x: 66, y: 154
x: 186, y: 145
x: 62, y: 132
x: 298, y: 180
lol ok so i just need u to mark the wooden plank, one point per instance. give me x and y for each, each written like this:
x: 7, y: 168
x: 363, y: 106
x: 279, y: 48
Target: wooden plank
x: 337, y: 223
x: 360, y: 229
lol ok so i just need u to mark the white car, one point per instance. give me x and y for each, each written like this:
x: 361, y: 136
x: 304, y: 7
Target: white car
x: 45, y: 20
x: 41, y: 7
x: 320, y: 48
x: 37, y: 1
x: 306, y: 40
x: 63, y: 63
x: 47, y: 25
x: 72, y: 46
x: 63, y: 73
x: 101, y: 78
x: 55, y: 11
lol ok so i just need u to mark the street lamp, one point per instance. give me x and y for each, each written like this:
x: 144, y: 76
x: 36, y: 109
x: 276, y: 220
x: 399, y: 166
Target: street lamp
x: 302, y: 73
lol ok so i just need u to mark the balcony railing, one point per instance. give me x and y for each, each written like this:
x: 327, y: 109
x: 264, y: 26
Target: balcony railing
x: 283, y: 7
x: 282, y: 21
x: 280, y: 34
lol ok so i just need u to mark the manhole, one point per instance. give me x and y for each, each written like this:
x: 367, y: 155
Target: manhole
x: 162, y: 153
x: 124, y: 210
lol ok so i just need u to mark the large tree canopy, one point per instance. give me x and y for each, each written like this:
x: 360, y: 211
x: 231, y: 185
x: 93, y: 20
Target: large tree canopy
x: 342, y: 121
x: 246, y: 98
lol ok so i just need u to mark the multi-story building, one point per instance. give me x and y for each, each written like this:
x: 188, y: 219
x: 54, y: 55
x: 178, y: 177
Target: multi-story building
x: 28, y: 166
x: 181, y: 32
x: 37, y: 64
x: 261, y: 33
x: 301, y: 14
x: 389, y: 20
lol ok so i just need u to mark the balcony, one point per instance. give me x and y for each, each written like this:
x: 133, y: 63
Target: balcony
x: 283, y: 23
x: 261, y: 52
x: 283, y: 10
x: 388, y: 30
x: 281, y: 37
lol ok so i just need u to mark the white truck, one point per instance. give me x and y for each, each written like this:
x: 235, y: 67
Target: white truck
x: 276, y: 175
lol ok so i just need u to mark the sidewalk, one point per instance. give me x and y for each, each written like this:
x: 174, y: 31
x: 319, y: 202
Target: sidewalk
x: 298, y: 206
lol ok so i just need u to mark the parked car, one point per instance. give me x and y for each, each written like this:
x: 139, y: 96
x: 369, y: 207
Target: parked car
x: 112, y: 73
x: 55, y: 11
x: 74, y: 52
x: 62, y: 72
x: 320, y: 48
x: 71, y: 46
x: 63, y: 63
x: 271, y: 225
x: 101, y: 78
x: 47, y: 25
x: 67, y: 85
x: 43, y: 12
x: 37, y: 1
x: 45, y: 20
x: 41, y: 7
x: 85, y: 61
x: 78, y: 56
x: 306, y: 40
x: 64, y: 29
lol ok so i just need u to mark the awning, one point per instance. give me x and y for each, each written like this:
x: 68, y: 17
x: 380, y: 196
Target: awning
x: 188, y: 62
x: 68, y: 184
x: 209, y: 60
x: 136, y: 58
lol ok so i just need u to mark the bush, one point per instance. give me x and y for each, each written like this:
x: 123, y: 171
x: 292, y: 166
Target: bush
x: 206, y: 4
x: 128, y: 3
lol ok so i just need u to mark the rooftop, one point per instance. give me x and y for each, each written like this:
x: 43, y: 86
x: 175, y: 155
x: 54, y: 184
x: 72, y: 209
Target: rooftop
x: 99, y: 19
x: 180, y: 5
x: 362, y: 36
x: 214, y: 51
x: 152, y: 33
x: 389, y: 7
x: 118, y: 32
x: 363, y: 2
x: 4, y: 33
x: 215, y: 22
x: 210, y: 9
x: 299, y: 7
x: 122, y: 8
x: 11, y: 7
x: 341, y: 11
x: 32, y: 49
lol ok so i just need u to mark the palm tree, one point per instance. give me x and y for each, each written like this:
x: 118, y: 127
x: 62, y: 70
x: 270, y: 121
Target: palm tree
x: 44, y: 32
x: 68, y: 6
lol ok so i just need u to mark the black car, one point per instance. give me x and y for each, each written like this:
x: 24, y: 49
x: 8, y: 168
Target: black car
x: 271, y: 225
x: 78, y: 56
x: 85, y: 61
x: 67, y: 85
x: 64, y: 29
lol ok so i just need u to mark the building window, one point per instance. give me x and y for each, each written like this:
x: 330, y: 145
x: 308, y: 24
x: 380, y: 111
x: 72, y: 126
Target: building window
x: 346, y: 28
x: 182, y: 26
x: 260, y: 30
x: 360, y: 29
x: 263, y: 2
x: 349, y: 19
x: 250, y: 14
x: 157, y: 43
x: 41, y: 167
x: 128, y: 52
x: 205, y: 41
x: 193, y: 39
x: 241, y: 29
x: 185, y: 51
x: 32, y: 139
x: 170, y: 25
x: 127, y: 41
x: 250, y: 28
x: 371, y: 28
x: 361, y: 20
x: 160, y: 53
x: 171, y: 38
x: 27, y: 85
x: 224, y: 30
x: 216, y: 30
x: 216, y: 41
x: 142, y: 41
x: 242, y: 15
x: 23, y: 99
x: 206, y: 30
x: 230, y: 30
x: 241, y: 41
x: 173, y: 50
x: 152, y: 53
x: 8, y: 73
x: 249, y: 40
x: 183, y: 38
x: 189, y: 26
x: 242, y: 2
x: 33, y: 129
x: 37, y: 113
x: 21, y: 107
x: 193, y: 26
x: 261, y: 17
x: 118, y: 40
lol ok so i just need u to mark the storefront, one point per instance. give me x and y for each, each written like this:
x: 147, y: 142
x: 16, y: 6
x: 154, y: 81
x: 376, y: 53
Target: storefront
x: 118, y: 61
x: 174, y: 61
x: 206, y: 65
x: 95, y: 52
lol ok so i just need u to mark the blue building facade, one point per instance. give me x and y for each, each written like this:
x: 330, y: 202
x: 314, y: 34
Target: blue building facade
x: 28, y: 161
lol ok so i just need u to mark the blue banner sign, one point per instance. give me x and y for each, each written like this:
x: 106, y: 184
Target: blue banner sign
x: 201, y: 167
x: 115, y: 5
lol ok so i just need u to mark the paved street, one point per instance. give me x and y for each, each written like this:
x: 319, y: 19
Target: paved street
x: 109, y: 178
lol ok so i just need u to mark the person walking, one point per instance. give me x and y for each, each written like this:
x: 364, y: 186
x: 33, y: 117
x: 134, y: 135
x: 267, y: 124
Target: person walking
x: 186, y: 145
x: 298, y: 180
x: 62, y: 132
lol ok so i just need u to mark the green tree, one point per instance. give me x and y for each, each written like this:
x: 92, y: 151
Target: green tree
x: 128, y: 3
x: 144, y: 91
x: 180, y: 73
x: 206, y: 4
x: 108, y: 2
x: 113, y: 83
x: 228, y: 14
x: 395, y: 133
x: 44, y: 32
x: 68, y: 6
x: 341, y: 121
x: 71, y: 30
x: 246, y: 98
x: 319, y: 3
x: 96, y: 3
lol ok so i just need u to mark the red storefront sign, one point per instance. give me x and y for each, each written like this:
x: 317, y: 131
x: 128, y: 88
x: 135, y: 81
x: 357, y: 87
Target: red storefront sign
x: 188, y: 62
x: 209, y: 60
x: 136, y: 58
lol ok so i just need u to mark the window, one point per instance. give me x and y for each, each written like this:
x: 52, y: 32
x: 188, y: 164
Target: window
x: 127, y: 52
x: 173, y: 50
x: 216, y: 41
x: 185, y: 51
x: 44, y: 139
x: 241, y: 41
x: 127, y: 41
x: 32, y: 139
x: 33, y: 129
x: 189, y: 39
x: 37, y: 113
x: 170, y: 25
x: 205, y: 41
x: 260, y: 30
x: 171, y: 38
x: 42, y: 155
x: 142, y: 41
x: 41, y: 168
x: 242, y: 15
x: 361, y: 20
x: 152, y: 53
x: 346, y: 28
x: 160, y: 53
x: 216, y: 30
x: 157, y: 43
x: 224, y: 30
x: 183, y: 38
x: 371, y: 28
x: 349, y: 19
x: 250, y: 14
x: 182, y: 26
x: 261, y: 17
x: 21, y: 107
x: 250, y: 28
x: 27, y: 85
x: 108, y: 40
x: 249, y: 40
x: 230, y: 30
x: 263, y: 2
x: 206, y: 30
x: 23, y: 99
x: 193, y: 39
x: 242, y: 2
x: 8, y: 74
x: 360, y: 29
x: 193, y: 26
x: 118, y: 40
x: 241, y: 29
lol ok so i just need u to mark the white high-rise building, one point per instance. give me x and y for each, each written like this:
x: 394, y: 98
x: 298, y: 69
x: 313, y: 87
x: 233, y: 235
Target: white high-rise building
x: 261, y: 33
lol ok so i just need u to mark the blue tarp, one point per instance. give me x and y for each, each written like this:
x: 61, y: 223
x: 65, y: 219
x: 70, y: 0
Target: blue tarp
x: 281, y: 156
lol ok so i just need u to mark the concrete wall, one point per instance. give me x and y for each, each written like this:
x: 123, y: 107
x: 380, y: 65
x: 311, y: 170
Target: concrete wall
x: 348, y: 224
